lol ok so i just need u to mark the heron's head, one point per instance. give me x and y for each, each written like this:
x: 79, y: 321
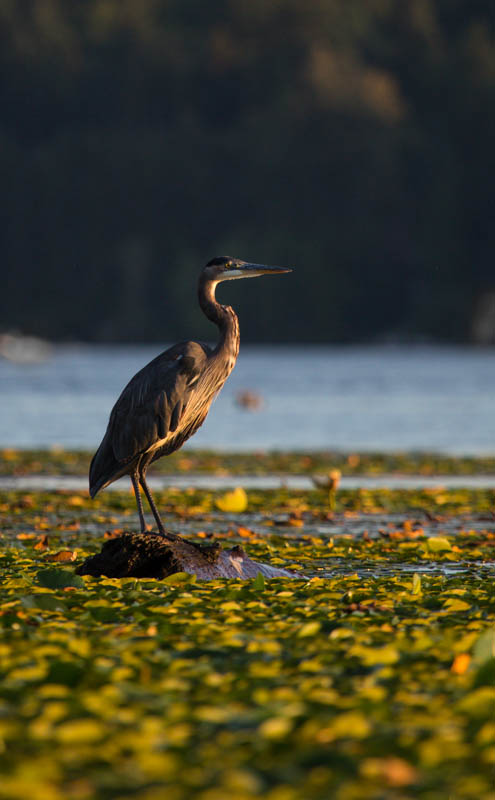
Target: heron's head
x: 225, y: 268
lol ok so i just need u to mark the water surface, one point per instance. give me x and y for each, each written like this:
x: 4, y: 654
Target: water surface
x: 348, y: 398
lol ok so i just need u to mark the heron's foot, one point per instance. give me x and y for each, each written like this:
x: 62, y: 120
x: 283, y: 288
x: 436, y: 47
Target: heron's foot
x: 173, y: 537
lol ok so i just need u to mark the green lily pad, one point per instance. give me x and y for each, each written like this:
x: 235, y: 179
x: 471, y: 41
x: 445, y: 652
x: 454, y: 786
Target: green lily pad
x: 59, y: 579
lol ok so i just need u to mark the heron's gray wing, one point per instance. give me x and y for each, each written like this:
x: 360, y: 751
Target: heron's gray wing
x: 154, y: 401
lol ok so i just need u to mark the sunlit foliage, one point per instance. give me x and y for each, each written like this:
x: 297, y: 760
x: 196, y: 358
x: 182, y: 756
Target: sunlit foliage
x: 371, y: 679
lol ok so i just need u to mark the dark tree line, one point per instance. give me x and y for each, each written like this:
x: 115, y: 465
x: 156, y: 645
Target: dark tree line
x: 351, y: 139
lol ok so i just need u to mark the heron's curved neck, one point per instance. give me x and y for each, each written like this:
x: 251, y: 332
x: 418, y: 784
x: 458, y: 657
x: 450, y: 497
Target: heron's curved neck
x: 223, y: 316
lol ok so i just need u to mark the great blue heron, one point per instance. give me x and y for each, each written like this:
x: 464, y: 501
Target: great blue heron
x: 168, y: 400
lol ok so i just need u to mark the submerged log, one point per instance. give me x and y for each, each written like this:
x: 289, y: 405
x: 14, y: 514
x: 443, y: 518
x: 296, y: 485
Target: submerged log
x: 137, y: 555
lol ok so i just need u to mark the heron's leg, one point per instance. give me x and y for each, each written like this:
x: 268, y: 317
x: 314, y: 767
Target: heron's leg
x: 149, y: 497
x: 139, y: 503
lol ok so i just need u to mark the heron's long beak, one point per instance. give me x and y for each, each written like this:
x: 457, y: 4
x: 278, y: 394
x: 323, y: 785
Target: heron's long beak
x: 247, y: 270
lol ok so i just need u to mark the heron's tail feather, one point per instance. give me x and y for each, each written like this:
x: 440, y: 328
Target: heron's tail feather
x: 104, y: 468
x: 94, y: 489
x: 95, y: 486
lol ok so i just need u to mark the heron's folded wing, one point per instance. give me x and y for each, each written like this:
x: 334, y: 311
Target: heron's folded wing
x: 153, y: 403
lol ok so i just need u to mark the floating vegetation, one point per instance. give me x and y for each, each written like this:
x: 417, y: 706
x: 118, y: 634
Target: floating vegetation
x: 70, y: 462
x: 372, y: 679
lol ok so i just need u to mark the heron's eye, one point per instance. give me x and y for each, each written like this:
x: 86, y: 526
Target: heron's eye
x: 228, y: 265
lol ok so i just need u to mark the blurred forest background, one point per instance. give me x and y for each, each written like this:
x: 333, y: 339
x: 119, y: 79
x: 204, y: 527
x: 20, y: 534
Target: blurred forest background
x: 350, y: 139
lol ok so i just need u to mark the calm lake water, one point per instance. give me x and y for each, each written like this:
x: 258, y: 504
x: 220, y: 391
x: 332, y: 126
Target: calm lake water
x: 347, y: 398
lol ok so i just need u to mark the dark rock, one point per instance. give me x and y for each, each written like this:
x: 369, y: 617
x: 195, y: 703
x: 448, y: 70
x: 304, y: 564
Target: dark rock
x: 137, y: 555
